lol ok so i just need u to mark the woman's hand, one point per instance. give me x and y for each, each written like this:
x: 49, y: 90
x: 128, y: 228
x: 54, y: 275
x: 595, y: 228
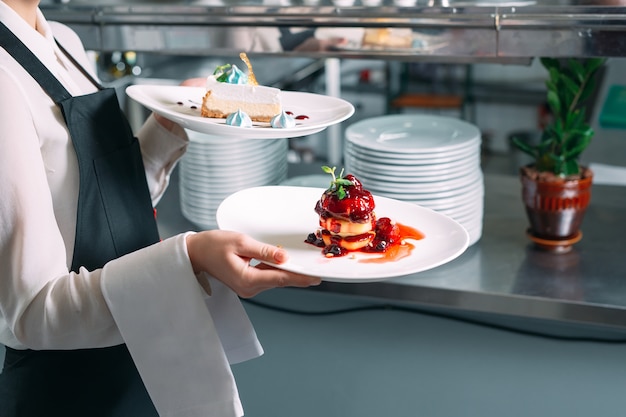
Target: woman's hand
x: 194, y: 82
x: 226, y: 256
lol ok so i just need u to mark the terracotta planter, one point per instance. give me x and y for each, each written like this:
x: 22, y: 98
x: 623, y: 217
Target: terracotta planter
x: 555, y: 207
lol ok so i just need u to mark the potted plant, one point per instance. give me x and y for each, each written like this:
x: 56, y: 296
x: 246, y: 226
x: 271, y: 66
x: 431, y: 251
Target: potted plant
x: 556, y: 189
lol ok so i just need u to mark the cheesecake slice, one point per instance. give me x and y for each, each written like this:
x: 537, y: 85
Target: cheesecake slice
x: 230, y: 90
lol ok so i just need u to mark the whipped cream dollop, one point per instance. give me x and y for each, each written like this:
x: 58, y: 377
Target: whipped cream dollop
x: 230, y: 74
x: 239, y: 118
x: 283, y: 121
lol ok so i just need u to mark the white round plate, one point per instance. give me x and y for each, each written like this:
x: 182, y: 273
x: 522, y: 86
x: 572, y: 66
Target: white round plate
x: 317, y: 181
x: 323, y: 111
x: 412, y: 133
x: 476, y: 187
x: 229, y: 165
x: 424, y: 187
x: 284, y: 215
x: 219, y: 152
x: 470, y: 210
x: 442, y: 204
x: 422, y: 160
x: 234, y: 144
x: 212, y: 185
x: 410, y: 155
x: 362, y: 167
x: 422, y: 177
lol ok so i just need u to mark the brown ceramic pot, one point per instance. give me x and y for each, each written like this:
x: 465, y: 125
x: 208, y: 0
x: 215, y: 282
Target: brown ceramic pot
x: 555, y: 206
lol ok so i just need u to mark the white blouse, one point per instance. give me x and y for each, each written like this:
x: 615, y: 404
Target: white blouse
x: 45, y: 306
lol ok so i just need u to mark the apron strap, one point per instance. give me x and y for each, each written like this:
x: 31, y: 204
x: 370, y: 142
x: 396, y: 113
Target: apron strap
x: 80, y: 67
x: 33, y: 65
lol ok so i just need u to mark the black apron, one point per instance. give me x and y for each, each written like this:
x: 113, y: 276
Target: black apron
x: 115, y: 217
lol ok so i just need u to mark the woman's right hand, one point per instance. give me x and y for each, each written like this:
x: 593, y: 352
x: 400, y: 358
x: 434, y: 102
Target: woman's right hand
x: 226, y: 256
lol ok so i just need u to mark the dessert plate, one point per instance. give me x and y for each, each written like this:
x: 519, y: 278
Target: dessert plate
x: 284, y: 216
x: 182, y: 104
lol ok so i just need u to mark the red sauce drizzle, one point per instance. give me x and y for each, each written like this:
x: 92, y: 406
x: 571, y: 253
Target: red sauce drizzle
x: 299, y: 117
x: 397, y: 250
x: 390, y: 241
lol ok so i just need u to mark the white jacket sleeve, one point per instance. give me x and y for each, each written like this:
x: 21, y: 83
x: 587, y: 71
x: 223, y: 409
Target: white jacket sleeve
x: 161, y: 150
x: 42, y: 304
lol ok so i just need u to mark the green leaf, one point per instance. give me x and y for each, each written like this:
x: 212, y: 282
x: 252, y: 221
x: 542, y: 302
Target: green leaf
x: 551, y: 85
x: 221, y: 73
x: 594, y: 64
x: 524, y: 146
x: 575, y: 152
x: 585, y: 132
x: 547, y: 141
x: 343, y: 181
x: 558, y: 130
x: 570, y: 167
x: 337, y: 184
x: 554, y: 102
x: 221, y: 69
x: 549, y: 63
x: 571, y: 85
x: 341, y: 193
x: 588, y: 89
x: 578, y: 70
x: 572, y: 120
x: 555, y: 75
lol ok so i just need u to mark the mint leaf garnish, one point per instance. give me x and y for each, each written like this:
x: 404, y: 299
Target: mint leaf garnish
x: 337, y: 184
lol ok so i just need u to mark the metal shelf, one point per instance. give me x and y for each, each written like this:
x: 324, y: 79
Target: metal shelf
x: 454, y: 33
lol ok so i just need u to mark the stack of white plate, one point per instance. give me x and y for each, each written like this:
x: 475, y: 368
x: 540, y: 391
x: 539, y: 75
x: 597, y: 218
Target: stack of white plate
x: 433, y: 161
x: 215, y: 167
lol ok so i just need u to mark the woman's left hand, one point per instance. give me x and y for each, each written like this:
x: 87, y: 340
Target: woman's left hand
x: 226, y: 256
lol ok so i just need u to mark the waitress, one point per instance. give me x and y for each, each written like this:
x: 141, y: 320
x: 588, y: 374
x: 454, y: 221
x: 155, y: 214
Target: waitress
x: 99, y: 317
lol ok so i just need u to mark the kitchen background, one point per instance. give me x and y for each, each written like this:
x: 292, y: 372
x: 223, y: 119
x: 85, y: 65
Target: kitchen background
x: 357, y: 356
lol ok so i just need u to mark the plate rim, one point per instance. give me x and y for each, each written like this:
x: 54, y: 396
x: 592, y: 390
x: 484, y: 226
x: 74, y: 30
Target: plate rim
x: 137, y: 92
x: 462, y: 243
x: 363, y: 142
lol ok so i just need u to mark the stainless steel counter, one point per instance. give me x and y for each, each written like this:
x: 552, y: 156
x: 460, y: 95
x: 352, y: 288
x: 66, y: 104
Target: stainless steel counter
x: 504, y: 275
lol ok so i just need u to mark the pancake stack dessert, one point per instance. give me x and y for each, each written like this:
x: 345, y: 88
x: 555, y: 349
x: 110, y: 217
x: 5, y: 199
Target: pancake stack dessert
x: 348, y: 221
x: 230, y: 90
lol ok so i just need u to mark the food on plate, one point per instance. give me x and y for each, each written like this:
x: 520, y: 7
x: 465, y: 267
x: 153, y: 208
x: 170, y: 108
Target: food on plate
x: 346, y: 215
x: 284, y: 120
x: 388, y: 37
x: 239, y: 118
x: 348, y: 221
x: 229, y: 90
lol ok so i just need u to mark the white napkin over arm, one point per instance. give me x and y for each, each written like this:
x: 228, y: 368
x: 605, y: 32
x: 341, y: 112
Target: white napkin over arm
x: 173, y: 338
x: 231, y: 320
